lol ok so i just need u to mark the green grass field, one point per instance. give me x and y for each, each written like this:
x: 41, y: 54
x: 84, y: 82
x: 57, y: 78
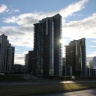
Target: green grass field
x: 25, y: 90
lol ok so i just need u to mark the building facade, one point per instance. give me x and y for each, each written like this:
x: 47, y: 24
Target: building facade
x: 19, y: 69
x: 29, y: 62
x: 91, y: 70
x: 76, y: 58
x: 92, y: 63
x: 26, y: 63
x: 47, y: 47
x: 6, y: 55
x: 10, y: 60
x: 64, y: 66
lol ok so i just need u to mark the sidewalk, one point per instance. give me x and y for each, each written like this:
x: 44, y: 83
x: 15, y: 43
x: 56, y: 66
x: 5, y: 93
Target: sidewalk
x: 85, y: 92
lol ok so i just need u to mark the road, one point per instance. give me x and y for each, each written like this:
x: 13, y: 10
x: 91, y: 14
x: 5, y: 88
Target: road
x: 88, y: 92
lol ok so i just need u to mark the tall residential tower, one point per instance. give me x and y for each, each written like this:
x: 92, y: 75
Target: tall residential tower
x: 76, y: 58
x: 6, y: 55
x: 47, y: 47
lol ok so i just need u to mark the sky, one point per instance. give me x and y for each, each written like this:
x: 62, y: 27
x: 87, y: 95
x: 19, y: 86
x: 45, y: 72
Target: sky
x: 18, y: 16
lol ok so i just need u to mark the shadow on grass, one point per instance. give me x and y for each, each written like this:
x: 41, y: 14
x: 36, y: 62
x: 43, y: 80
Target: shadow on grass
x: 25, y: 90
x: 41, y: 87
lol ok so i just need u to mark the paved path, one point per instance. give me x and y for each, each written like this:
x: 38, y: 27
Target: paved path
x: 44, y: 82
x: 31, y: 83
x: 89, y: 92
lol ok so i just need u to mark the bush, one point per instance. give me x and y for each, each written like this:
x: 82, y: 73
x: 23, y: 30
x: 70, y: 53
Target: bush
x: 11, y: 78
x: 62, y: 78
x: 85, y: 78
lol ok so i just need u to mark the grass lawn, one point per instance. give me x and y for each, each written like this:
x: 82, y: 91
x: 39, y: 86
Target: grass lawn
x: 25, y: 90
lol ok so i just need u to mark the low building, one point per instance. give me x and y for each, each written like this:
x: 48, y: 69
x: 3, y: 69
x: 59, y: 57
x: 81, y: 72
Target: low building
x: 18, y: 69
x: 29, y: 62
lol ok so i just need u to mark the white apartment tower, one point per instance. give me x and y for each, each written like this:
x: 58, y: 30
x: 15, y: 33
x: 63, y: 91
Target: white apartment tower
x: 6, y: 55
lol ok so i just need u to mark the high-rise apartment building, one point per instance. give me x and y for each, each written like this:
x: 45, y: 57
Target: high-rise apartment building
x: 47, y: 47
x: 76, y: 58
x: 6, y: 55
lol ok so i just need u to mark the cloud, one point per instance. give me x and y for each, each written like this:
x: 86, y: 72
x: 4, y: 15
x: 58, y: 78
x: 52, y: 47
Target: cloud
x: 94, y: 41
x: 17, y: 49
x: 82, y: 28
x: 75, y: 7
x: 28, y: 19
x: 16, y: 10
x: 31, y: 18
x: 10, y: 31
x: 92, y: 54
x: 19, y: 36
x: 3, y: 8
x: 93, y: 46
x: 12, y: 11
x: 13, y: 19
x: 19, y: 58
x: 25, y: 41
x: 23, y: 35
